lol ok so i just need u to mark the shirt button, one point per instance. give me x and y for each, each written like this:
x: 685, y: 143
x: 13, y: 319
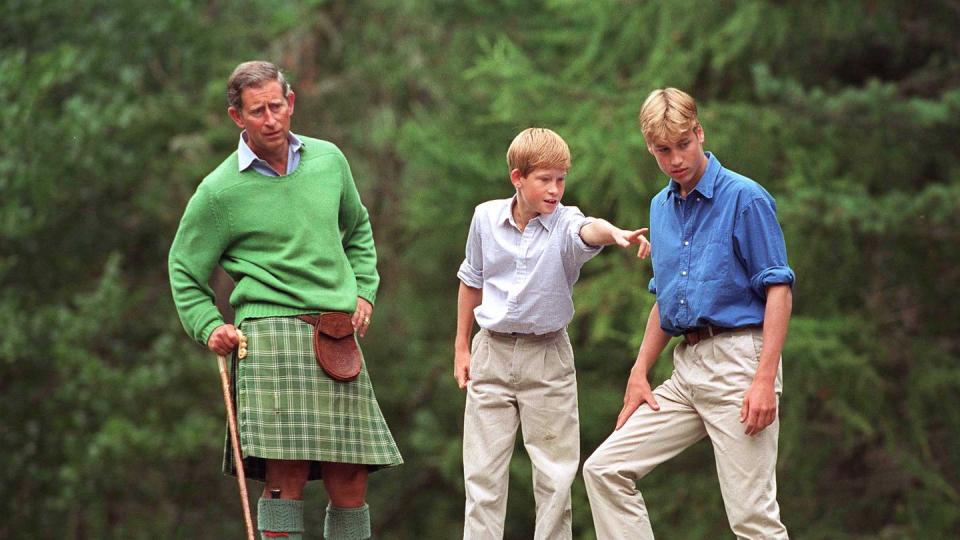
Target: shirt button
x: 686, y: 243
x: 683, y: 273
x: 682, y: 301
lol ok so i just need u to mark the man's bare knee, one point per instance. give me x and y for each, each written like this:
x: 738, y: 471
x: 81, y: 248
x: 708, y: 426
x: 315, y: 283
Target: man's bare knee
x: 289, y: 477
x: 346, y: 484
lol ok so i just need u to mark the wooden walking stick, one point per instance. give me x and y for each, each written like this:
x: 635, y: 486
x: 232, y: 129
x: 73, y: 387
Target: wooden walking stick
x: 234, y: 439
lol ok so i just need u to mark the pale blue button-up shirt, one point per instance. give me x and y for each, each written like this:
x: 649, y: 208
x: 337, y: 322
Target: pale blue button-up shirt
x: 246, y: 157
x: 527, y: 277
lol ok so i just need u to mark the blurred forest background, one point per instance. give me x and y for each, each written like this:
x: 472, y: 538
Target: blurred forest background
x: 111, y: 419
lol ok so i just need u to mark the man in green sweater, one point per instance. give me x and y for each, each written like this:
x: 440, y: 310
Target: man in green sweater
x: 283, y: 217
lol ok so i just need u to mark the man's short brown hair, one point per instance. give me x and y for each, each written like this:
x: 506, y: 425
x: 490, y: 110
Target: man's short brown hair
x: 538, y: 148
x: 253, y: 74
x: 667, y: 113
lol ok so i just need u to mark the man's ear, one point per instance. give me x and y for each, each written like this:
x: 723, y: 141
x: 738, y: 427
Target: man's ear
x: 515, y: 177
x: 291, y: 97
x: 699, y: 131
x: 236, y: 116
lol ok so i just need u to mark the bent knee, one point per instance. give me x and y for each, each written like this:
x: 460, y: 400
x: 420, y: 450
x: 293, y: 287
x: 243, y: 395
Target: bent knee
x: 596, y: 467
x: 603, y: 469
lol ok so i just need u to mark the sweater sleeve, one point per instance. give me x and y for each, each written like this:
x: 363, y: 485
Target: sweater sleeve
x: 357, y: 236
x: 196, y: 250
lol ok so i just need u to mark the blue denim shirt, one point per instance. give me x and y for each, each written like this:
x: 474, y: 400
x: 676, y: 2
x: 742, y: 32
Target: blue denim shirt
x: 715, y: 251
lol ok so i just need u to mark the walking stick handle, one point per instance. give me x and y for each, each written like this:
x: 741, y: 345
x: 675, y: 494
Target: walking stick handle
x: 235, y: 443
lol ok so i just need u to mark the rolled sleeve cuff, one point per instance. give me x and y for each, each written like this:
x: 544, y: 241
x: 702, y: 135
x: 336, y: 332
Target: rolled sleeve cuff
x: 470, y: 276
x: 775, y: 275
x: 578, y: 240
x: 652, y: 286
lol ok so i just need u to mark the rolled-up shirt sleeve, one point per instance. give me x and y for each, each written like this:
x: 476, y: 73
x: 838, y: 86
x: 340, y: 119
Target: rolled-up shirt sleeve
x: 576, y: 250
x: 758, y: 241
x: 471, y: 269
x: 652, y: 285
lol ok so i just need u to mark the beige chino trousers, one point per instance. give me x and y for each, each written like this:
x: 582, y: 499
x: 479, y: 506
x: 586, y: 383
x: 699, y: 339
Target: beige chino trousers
x: 702, y: 398
x: 527, y: 382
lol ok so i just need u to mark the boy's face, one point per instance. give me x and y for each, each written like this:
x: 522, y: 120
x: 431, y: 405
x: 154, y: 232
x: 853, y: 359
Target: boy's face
x: 539, y: 191
x: 682, y: 159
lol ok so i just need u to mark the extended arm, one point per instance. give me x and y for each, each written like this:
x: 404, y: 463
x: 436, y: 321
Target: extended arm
x: 601, y: 232
x: 638, y: 387
x: 468, y: 298
x: 759, y: 408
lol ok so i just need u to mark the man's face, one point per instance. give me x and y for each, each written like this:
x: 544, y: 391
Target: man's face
x: 265, y: 114
x: 682, y: 159
x: 540, y: 190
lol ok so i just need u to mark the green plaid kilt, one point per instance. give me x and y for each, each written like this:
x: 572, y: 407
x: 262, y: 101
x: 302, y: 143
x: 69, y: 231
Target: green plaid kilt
x: 289, y: 408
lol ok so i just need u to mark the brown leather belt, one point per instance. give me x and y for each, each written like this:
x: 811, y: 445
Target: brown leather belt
x: 309, y: 319
x: 697, y: 335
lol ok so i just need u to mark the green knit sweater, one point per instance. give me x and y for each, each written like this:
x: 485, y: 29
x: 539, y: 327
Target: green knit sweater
x: 294, y: 244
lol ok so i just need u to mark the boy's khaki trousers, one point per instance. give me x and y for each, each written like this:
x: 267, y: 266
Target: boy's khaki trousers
x: 526, y: 381
x: 702, y: 398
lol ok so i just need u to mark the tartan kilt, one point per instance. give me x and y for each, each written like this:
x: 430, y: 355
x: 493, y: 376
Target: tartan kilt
x: 289, y: 408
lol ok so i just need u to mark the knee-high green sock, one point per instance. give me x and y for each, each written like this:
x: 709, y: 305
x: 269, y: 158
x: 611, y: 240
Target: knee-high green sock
x: 347, y: 523
x: 280, y: 518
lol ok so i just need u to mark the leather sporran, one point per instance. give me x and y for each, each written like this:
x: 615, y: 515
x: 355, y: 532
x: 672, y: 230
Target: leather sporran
x: 334, y: 345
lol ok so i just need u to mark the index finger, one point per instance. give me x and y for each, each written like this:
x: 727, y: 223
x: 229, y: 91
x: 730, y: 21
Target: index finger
x: 357, y: 317
x: 229, y: 337
x: 753, y: 423
x: 644, y: 250
x: 625, y: 413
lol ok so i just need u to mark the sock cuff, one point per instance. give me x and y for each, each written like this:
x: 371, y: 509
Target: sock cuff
x: 365, y: 509
x: 347, y: 523
x: 281, y: 515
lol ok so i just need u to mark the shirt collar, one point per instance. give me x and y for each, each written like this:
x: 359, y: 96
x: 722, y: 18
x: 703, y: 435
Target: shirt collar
x: 547, y: 220
x: 707, y: 182
x: 246, y: 156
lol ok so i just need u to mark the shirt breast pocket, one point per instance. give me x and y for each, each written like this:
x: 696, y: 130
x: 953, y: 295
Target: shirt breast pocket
x: 714, y: 260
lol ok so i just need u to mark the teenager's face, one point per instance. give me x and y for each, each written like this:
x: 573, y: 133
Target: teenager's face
x: 682, y: 159
x: 540, y: 191
x: 265, y: 115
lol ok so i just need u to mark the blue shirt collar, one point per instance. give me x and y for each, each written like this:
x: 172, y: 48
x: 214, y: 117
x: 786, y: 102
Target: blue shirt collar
x: 547, y: 220
x: 707, y: 182
x: 246, y: 157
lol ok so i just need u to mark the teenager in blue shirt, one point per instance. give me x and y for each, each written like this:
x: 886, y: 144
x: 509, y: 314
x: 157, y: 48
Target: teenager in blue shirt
x: 723, y: 285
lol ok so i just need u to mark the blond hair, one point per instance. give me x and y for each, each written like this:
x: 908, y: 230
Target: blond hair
x: 538, y: 148
x: 667, y: 114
